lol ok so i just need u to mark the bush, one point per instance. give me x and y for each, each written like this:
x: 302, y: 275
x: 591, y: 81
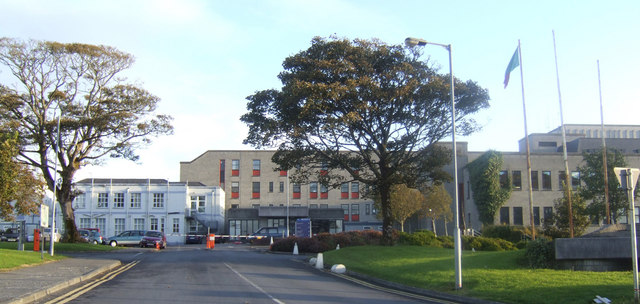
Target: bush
x: 486, y: 244
x: 540, y: 254
x: 327, y: 241
x: 505, y: 232
x: 420, y: 238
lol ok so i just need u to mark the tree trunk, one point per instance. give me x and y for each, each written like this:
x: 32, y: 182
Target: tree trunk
x: 433, y: 226
x: 387, y: 224
x: 402, y: 226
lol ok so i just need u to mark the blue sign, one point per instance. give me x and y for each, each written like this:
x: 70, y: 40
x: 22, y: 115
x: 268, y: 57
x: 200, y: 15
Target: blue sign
x: 303, y: 227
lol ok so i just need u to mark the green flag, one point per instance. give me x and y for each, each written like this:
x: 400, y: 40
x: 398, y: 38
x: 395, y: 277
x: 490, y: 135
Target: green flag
x: 514, y: 63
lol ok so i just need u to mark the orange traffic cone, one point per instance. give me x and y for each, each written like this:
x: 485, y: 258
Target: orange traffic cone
x: 158, y: 246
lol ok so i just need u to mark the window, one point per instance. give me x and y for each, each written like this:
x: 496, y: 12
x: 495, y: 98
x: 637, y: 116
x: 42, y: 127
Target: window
x: 162, y: 224
x: 561, y: 180
x: 101, y: 223
x: 255, y: 206
x: 136, y: 199
x: 255, y: 190
x: 296, y: 191
x: 235, y: 189
x: 313, y: 206
x: 242, y: 227
x: 199, y: 202
x: 504, y: 215
x: 158, y: 200
x: 504, y: 178
x: 536, y: 216
x: 355, y: 190
x: 138, y: 224
x: 118, y: 200
x: 534, y: 180
x: 324, y: 206
x: 547, y: 144
x: 222, y: 173
x: 367, y: 209
x: 324, y: 192
x: 103, y: 200
x: 176, y: 225
x: 283, y: 172
x: 85, y: 222
x: 345, y: 208
x: 281, y: 187
x: 517, y: 216
x: 355, y: 212
x: 516, y: 179
x: 118, y: 225
x: 154, y: 224
x: 324, y: 168
x: 575, y: 179
x: 235, y: 167
x: 546, y: 180
x: 344, y: 190
x: 270, y: 187
x: 548, y: 214
x: 256, y: 167
x: 235, y: 206
x: 79, y: 201
x: 313, y: 190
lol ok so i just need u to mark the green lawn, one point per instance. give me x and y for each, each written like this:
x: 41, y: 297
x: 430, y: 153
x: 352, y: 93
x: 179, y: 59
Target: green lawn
x: 10, y: 257
x: 494, y: 276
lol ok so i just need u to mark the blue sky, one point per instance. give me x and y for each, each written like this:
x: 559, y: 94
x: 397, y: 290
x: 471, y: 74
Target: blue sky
x: 203, y: 58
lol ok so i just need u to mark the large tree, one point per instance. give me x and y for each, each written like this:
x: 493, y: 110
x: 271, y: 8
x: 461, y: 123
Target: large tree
x: 363, y: 111
x: 592, y: 177
x: 21, y: 191
x: 99, y: 113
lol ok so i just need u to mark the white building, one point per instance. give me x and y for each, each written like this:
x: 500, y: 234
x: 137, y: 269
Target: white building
x: 177, y: 208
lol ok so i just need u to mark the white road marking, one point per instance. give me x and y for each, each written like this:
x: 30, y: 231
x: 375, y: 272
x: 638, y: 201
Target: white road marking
x: 254, y: 285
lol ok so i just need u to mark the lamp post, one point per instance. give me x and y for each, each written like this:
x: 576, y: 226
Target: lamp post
x: 412, y: 42
x: 52, y: 233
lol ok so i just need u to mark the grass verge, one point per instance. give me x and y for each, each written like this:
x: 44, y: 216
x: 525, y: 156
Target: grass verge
x: 11, y: 258
x: 496, y: 276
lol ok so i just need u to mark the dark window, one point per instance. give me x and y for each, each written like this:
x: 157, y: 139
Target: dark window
x: 548, y: 215
x: 504, y: 178
x: 235, y: 167
x: 546, y: 180
x: 296, y: 191
x: 575, y: 179
x: 547, y: 144
x: 562, y: 180
x: 536, y: 216
x: 504, y: 215
x: 256, y: 167
x: 281, y: 187
x: 222, y: 173
x: 534, y: 180
x: 255, y: 190
x: 516, y: 177
x: 517, y: 216
x: 270, y: 186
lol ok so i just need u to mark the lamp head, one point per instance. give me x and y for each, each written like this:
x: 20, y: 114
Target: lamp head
x: 410, y: 41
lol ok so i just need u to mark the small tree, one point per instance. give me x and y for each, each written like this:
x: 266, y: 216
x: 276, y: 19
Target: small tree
x: 560, y: 221
x: 488, y: 194
x: 437, y: 205
x: 592, y: 177
x: 20, y: 191
x: 405, y: 202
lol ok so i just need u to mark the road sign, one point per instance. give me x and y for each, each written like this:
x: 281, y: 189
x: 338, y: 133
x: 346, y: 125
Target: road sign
x: 622, y: 173
x: 44, y: 215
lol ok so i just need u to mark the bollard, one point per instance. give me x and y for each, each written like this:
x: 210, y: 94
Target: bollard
x: 319, y: 261
x: 338, y: 268
x: 338, y: 247
x: 271, y: 242
x: 157, y: 245
x: 295, y: 249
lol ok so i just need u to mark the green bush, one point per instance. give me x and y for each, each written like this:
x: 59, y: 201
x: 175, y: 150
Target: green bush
x: 486, y: 244
x: 505, y: 232
x: 540, y: 254
x: 446, y: 241
x: 327, y: 241
x: 420, y: 238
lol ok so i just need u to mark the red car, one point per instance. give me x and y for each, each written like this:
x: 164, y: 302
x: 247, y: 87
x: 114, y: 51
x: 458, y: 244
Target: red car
x: 155, y: 239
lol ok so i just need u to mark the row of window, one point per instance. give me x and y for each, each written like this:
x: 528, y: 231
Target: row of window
x: 516, y: 180
x: 119, y: 224
x: 347, y: 190
x: 135, y: 200
x: 518, y: 215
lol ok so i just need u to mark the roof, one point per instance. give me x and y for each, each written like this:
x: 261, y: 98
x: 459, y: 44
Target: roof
x: 137, y: 181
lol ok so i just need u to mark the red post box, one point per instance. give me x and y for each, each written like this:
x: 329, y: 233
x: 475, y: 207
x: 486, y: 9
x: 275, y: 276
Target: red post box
x: 36, y: 239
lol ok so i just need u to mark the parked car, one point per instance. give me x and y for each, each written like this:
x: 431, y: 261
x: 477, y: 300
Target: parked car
x: 46, y: 233
x: 11, y: 235
x: 154, y: 238
x: 84, y: 234
x: 95, y: 237
x: 126, y: 238
x: 195, y: 238
x: 268, y: 232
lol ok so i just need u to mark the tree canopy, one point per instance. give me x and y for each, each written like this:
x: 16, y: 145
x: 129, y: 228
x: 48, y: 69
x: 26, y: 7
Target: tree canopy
x: 405, y: 202
x: 364, y: 111
x: 437, y: 205
x: 99, y: 113
x: 21, y: 192
x: 592, y: 177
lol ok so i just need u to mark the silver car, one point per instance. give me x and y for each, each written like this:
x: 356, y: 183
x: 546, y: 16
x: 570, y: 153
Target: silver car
x: 126, y: 238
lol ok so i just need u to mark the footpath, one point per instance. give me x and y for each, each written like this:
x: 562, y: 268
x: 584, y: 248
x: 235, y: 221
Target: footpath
x: 30, y: 284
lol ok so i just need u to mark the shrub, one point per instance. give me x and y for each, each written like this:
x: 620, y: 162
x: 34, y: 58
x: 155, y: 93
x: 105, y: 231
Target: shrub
x: 486, y: 244
x: 420, y: 238
x: 327, y: 241
x: 505, y: 232
x: 446, y: 241
x: 540, y: 254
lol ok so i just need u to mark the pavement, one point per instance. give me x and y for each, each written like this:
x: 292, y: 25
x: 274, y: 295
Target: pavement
x: 32, y: 283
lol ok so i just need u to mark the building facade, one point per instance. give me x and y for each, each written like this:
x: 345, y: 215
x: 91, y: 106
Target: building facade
x: 259, y: 195
x: 176, y: 208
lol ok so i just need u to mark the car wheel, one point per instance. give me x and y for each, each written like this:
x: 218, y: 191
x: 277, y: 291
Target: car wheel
x: 95, y: 242
x: 113, y: 243
x: 141, y: 246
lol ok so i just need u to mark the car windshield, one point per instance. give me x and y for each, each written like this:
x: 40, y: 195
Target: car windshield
x: 153, y: 234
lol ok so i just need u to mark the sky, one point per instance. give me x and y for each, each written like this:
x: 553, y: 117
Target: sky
x: 203, y: 58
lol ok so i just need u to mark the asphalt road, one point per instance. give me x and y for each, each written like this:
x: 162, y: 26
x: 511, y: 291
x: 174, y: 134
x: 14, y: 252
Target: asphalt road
x: 228, y: 274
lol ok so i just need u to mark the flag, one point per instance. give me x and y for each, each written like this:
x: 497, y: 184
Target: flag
x: 513, y: 64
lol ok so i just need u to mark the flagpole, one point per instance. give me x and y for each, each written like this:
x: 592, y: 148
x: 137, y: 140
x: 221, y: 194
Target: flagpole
x: 526, y: 136
x: 564, y: 143
x: 604, y: 153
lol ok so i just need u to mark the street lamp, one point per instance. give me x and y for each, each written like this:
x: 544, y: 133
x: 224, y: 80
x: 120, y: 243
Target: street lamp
x: 55, y: 185
x: 412, y: 42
